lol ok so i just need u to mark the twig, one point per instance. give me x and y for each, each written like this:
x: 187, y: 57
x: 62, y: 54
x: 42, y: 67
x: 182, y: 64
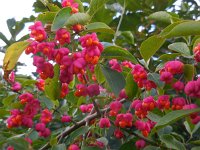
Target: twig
x: 78, y: 125
x: 96, y: 107
x: 120, y: 22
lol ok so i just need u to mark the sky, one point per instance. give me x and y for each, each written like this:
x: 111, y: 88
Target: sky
x: 16, y: 9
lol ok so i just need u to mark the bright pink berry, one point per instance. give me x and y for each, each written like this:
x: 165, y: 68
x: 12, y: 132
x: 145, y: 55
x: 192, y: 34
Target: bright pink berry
x: 178, y: 103
x: 149, y: 103
x: 46, y: 116
x: 115, y: 106
x: 104, y: 123
x: 73, y: 147
x: 66, y: 118
x: 38, y: 32
x: 62, y: 36
x: 81, y: 90
x: 40, y: 84
x: 178, y: 86
x: 32, y: 48
x: 93, y: 90
x: 45, y: 133
x: 64, y: 90
x: 27, y: 122
x: 25, y: 97
x: 166, y: 77
x: 40, y: 127
x: 16, y: 87
x: 115, y: 65
x: 124, y: 120
x: 174, y: 67
x: 192, y: 88
x: 118, y: 134
x: 10, y: 148
x: 59, y: 54
x: 140, y: 144
x: 71, y: 4
x: 163, y: 102
x: 11, y: 79
x: 196, y: 52
x: 127, y: 64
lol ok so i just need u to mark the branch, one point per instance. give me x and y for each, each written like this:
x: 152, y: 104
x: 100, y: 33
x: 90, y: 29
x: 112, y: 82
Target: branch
x: 79, y: 124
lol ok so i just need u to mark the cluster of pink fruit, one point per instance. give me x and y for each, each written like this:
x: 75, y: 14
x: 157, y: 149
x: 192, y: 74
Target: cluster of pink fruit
x: 77, y: 63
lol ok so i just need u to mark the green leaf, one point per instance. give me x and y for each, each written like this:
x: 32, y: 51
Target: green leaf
x: 180, y: 47
x: 33, y: 135
x: 189, y: 71
x: 78, y: 132
x: 168, y: 57
x: 130, y: 145
x: 95, y: 5
x: 53, y: 7
x: 80, y: 5
x: 18, y: 143
x: 185, y: 29
x: 131, y: 87
x: 71, y: 98
x: 90, y: 148
x: 155, y: 77
x: 46, y: 17
x: 46, y: 102
x: 150, y: 46
x: 171, y: 142
x: 3, y: 37
x: 166, y: 30
x: 173, y: 116
x: 29, y: 82
x: 53, y: 141
x: 53, y: 86
x: 61, y: 18
x: 128, y: 36
x: 4, y: 112
x: 78, y: 18
x: 153, y: 117
x: 12, y: 55
x: 119, y: 53
x: 11, y: 23
x: 99, y: 27
x: 197, y: 142
x: 114, y: 79
x: 151, y: 148
x: 99, y: 75
x: 8, y: 100
x: 188, y: 127
x: 165, y: 130
x: 103, y: 140
x: 59, y: 147
x: 161, y: 16
x: 72, y: 83
x: 196, y: 148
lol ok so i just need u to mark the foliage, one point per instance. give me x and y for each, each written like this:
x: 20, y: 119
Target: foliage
x: 110, y: 75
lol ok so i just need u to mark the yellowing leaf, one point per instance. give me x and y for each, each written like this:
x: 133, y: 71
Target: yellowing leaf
x: 12, y: 55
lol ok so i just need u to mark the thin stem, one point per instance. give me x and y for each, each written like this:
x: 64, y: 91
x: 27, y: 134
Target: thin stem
x: 120, y: 22
x: 78, y: 125
x: 96, y: 107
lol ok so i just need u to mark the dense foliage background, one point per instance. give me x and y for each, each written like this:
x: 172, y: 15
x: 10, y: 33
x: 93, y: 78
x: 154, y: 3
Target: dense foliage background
x: 150, y: 33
